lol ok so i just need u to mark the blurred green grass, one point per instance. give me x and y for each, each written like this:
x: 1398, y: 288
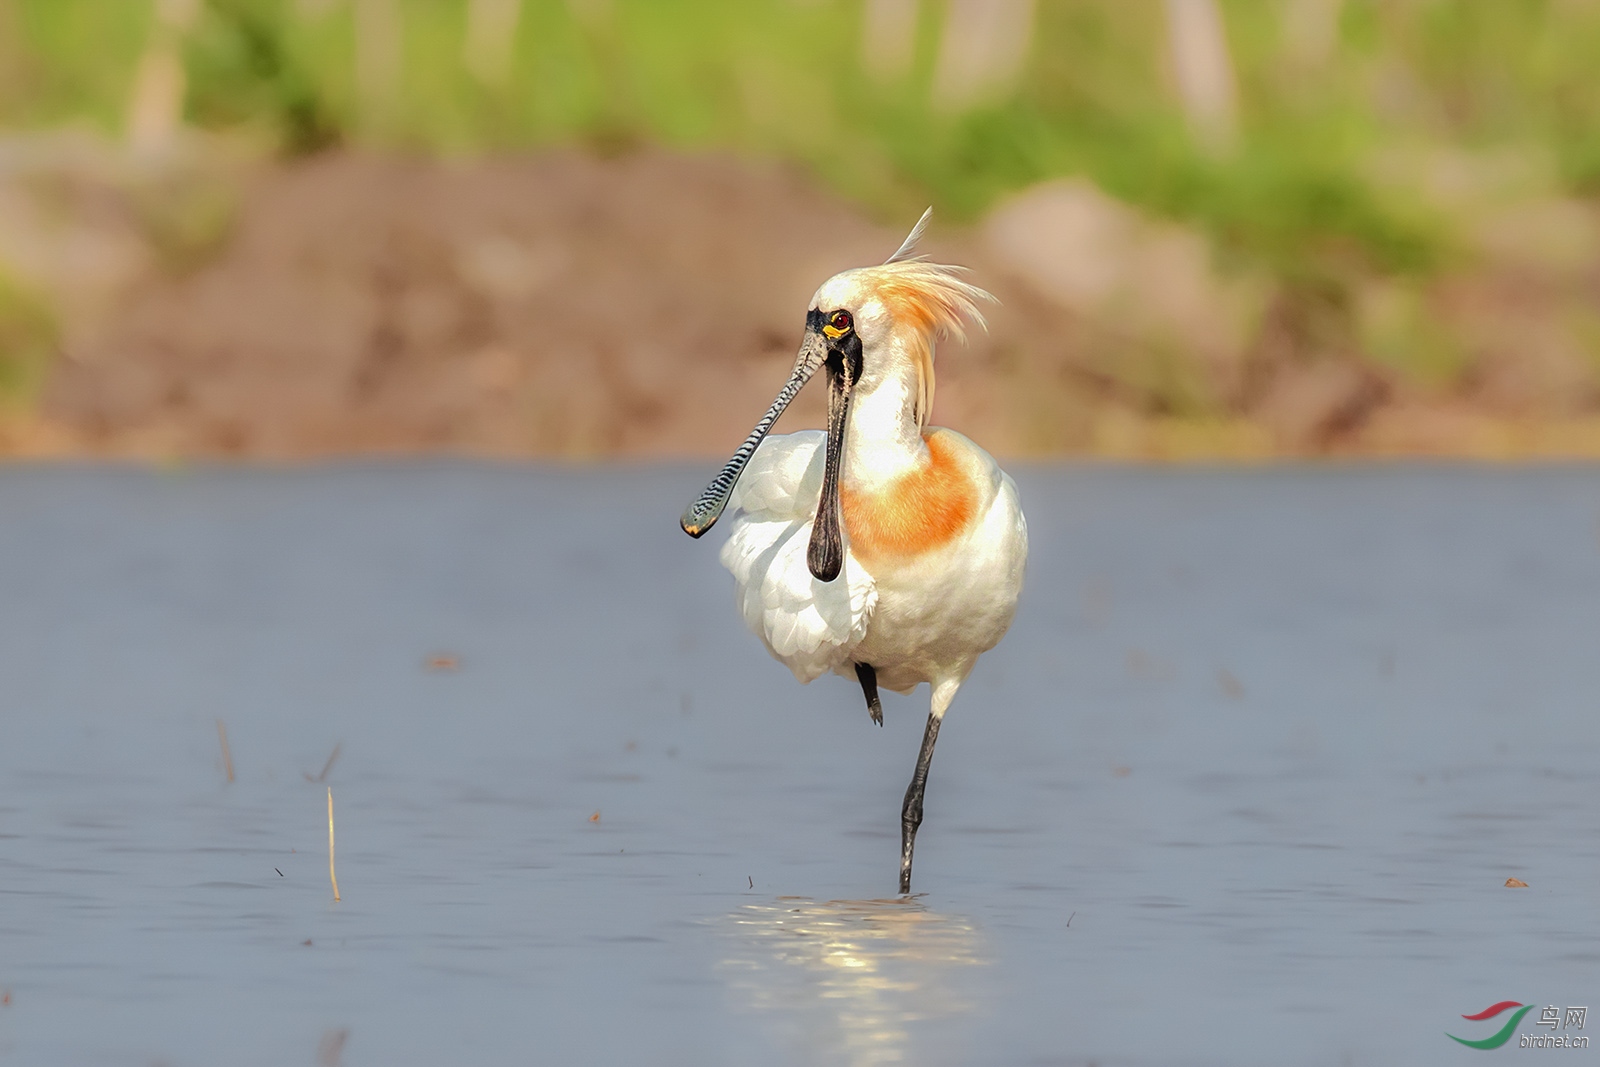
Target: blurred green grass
x: 1300, y: 195
x: 788, y: 77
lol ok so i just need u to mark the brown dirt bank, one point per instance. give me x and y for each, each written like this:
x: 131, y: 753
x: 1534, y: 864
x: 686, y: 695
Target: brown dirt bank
x: 643, y: 305
x: 557, y: 305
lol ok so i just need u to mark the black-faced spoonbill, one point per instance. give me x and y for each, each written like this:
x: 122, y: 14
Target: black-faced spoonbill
x: 883, y: 549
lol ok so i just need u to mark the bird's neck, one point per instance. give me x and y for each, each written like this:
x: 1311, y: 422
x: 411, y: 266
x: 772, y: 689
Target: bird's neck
x: 882, y: 441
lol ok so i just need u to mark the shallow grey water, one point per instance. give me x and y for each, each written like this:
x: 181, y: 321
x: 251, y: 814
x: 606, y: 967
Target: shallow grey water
x: 1242, y: 786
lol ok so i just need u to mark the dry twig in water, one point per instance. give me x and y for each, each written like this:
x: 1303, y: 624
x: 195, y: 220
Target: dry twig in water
x: 326, y: 767
x: 334, y: 878
x: 227, y: 759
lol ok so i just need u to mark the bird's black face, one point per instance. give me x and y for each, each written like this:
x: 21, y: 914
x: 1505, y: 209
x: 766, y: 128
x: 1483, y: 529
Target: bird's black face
x: 830, y: 341
x: 837, y: 329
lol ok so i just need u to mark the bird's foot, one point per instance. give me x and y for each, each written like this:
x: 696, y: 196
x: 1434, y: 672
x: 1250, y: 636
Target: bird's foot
x: 869, y: 688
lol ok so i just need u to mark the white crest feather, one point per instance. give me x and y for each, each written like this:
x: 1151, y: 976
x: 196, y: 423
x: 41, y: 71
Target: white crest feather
x: 908, y: 247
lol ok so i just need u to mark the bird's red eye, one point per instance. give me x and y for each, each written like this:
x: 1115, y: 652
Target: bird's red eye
x: 840, y: 320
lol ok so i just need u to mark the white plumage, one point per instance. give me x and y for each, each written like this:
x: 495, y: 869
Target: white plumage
x: 811, y: 626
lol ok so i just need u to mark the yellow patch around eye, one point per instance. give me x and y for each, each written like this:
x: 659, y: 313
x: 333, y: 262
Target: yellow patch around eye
x: 831, y: 333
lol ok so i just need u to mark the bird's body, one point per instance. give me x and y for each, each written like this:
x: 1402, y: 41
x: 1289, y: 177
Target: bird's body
x: 931, y: 574
x: 882, y: 549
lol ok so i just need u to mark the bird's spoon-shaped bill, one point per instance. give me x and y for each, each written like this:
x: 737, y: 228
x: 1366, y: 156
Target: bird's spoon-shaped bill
x: 701, y: 515
x: 825, y: 553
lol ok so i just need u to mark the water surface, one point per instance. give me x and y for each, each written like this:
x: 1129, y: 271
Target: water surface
x: 1243, y: 785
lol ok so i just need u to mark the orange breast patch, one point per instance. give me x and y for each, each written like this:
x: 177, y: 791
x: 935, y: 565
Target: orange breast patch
x: 917, y: 513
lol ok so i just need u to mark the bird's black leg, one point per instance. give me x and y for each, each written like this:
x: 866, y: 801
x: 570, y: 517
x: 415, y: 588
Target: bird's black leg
x: 911, y: 813
x: 869, y: 685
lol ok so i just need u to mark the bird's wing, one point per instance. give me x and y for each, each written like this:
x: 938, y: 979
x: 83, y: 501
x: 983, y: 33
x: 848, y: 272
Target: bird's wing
x: 783, y: 479
x: 809, y: 625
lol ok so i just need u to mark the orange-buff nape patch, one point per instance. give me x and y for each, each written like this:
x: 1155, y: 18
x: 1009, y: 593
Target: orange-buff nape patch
x: 922, y: 511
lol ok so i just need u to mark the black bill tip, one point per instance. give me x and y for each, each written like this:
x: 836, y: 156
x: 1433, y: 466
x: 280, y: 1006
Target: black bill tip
x: 824, y: 559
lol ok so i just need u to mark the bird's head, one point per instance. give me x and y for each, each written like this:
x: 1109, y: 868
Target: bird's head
x: 865, y: 326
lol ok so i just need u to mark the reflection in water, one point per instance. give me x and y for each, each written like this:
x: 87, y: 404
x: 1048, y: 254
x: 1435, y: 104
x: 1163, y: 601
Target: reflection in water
x: 844, y: 981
